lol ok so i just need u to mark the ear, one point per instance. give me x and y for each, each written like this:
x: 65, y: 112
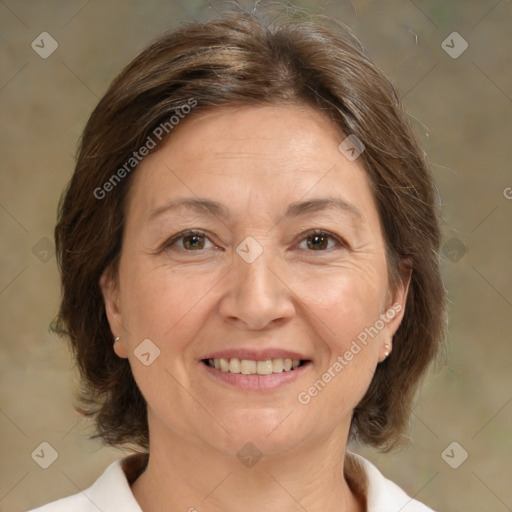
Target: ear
x: 111, y: 297
x: 395, y: 309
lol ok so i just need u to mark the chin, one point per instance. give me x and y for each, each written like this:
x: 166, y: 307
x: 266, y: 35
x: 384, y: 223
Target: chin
x: 271, y: 431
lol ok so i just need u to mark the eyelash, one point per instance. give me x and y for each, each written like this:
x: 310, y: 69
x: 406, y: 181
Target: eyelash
x: 308, y: 234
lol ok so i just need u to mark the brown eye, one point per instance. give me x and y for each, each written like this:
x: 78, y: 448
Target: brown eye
x: 192, y: 242
x: 318, y: 240
x: 189, y: 241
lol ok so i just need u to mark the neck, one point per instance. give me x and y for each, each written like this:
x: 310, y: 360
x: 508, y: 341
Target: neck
x: 186, y: 475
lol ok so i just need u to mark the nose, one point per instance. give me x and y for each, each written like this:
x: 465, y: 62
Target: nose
x: 257, y: 295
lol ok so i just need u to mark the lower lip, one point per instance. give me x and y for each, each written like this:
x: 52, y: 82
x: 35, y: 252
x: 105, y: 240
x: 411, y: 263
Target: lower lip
x: 256, y: 382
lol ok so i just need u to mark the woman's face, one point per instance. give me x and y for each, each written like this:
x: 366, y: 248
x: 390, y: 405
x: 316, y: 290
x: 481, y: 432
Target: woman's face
x: 286, y: 260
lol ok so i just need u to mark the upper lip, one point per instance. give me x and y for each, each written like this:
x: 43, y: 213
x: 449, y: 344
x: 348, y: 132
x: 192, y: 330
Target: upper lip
x: 255, y: 355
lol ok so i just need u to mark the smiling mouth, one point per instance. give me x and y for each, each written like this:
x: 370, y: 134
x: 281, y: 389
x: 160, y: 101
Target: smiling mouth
x: 252, y: 367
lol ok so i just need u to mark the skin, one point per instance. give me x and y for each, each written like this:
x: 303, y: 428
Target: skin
x: 198, y: 295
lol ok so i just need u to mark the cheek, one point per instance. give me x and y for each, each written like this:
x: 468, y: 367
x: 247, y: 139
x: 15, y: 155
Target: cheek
x: 343, y: 310
x: 342, y: 316
x: 160, y: 303
x: 169, y: 308
x: 344, y: 303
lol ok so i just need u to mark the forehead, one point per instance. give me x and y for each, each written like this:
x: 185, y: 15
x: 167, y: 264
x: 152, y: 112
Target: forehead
x: 268, y: 133
x: 268, y: 155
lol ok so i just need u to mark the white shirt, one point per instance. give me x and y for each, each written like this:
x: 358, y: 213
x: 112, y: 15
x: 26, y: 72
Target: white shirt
x: 112, y: 493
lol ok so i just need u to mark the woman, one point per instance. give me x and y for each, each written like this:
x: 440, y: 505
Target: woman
x: 248, y: 249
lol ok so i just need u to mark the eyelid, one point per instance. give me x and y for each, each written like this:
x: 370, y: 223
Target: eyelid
x: 304, y: 236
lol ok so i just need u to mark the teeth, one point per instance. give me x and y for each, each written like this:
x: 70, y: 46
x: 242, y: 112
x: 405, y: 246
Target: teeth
x: 250, y: 367
x: 277, y: 365
x: 264, y: 367
x: 234, y: 366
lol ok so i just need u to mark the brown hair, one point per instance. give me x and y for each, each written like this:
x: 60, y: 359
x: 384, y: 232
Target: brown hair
x: 246, y: 59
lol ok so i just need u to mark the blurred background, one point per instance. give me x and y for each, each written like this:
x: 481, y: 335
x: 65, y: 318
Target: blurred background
x: 451, y: 62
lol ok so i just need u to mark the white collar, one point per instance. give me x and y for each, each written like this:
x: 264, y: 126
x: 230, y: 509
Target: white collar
x: 112, y: 492
x: 383, y: 495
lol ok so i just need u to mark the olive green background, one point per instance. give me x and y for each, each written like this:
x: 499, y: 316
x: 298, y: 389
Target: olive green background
x: 461, y: 108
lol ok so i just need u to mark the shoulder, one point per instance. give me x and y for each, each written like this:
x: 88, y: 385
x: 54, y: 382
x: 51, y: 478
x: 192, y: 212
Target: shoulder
x: 383, y: 495
x: 110, y: 492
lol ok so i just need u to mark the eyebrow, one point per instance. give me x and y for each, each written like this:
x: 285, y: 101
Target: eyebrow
x: 296, y: 209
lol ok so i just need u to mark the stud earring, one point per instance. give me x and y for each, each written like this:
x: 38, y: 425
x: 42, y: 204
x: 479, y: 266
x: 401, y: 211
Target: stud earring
x: 116, y: 339
x: 387, y: 350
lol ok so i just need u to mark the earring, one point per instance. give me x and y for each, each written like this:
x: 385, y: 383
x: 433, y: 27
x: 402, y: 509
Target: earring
x: 116, y: 340
x: 387, y: 350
